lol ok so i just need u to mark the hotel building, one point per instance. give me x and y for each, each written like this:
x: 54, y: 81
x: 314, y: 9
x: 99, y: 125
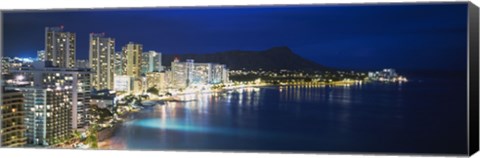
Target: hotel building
x: 157, y: 80
x: 123, y: 83
x: 102, y: 61
x: 60, y: 47
x: 132, y: 59
x: 182, y: 73
x: 75, y: 81
x: 118, y: 64
x: 12, y: 126
x: 48, y: 113
x: 151, y: 62
x: 189, y: 73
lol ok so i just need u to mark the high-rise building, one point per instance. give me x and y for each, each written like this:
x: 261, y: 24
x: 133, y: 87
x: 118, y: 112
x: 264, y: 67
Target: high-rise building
x: 102, y: 61
x: 41, y: 55
x: 118, y: 64
x: 5, y: 65
x: 12, y: 126
x: 181, y: 73
x: 219, y: 74
x: 189, y: 73
x: 139, y: 85
x: 13, y: 63
x: 60, y: 47
x: 225, y: 75
x: 75, y: 80
x: 169, y: 79
x: 123, y: 83
x: 151, y: 62
x: 157, y: 80
x: 201, y: 74
x: 82, y: 64
x: 132, y: 59
x: 48, y: 113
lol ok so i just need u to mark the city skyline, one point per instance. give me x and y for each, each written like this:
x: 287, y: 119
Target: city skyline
x: 289, y: 78
x: 329, y: 35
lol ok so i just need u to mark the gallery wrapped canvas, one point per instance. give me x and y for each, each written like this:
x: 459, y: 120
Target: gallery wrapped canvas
x: 352, y: 78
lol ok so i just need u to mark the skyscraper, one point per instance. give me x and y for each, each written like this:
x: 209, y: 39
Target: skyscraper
x: 151, y: 62
x: 156, y: 80
x: 60, y: 47
x: 76, y: 81
x: 219, y: 74
x: 189, y: 73
x: 102, y: 61
x: 41, y: 55
x: 12, y: 126
x: 82, y: 64
x: 123, y: 83
x: 181, y: 73
x: 118, y: 64
x: 201, y: 74
x: 5, y: 65
x: 48, y: 115
x: 132, y: 59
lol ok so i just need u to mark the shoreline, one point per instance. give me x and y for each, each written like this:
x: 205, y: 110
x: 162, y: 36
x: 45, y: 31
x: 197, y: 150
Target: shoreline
x: 106, y: 143
x: 109, y: 143
x: 225, y: 89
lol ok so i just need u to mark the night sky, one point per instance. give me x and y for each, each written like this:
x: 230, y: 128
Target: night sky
x: 416, y: 37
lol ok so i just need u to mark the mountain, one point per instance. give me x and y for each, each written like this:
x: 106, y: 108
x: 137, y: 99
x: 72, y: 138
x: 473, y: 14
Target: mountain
x: 274, y: 59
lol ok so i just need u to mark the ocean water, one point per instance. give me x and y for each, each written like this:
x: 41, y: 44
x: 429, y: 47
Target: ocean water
x: 425, y: 115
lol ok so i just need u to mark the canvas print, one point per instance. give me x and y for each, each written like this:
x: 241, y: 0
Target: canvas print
x: 356, y: 78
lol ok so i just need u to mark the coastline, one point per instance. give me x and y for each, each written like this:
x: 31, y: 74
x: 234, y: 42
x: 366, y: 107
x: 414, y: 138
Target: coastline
x: 110, y: 143
x: 105, y: 140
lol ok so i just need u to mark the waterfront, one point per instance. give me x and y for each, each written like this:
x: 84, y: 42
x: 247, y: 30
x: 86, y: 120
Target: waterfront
x: 424, y: 115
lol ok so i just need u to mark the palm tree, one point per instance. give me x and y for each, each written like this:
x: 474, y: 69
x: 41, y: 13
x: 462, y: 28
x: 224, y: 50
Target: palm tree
x: 92, y: 137
x: 76, y: 134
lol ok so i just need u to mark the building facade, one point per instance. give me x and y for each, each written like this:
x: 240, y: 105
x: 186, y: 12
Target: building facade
x: 60, y: 47
x: 123, y: 83
x: 14, y: 63
x: 132, y: 59
x: 48, y: 116
x: 201, y: 74
x: 220, y: 74
x: 118, y: 64
x: 189, y: 73
x: 102, y: 61
x: 75, y: 80
x: 41, y: 55
x: 82, y: 64
x: 181, y: 73
x: 12, y: 126
x: 151, y: 62
x: 5, y: 65
x: 157, y: 80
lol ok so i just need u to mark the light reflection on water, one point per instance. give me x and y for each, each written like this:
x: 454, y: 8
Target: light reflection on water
x: 187, y: 126
x: 286, y: 118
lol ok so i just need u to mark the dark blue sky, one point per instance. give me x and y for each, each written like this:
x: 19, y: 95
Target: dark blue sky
x: 418, y: 36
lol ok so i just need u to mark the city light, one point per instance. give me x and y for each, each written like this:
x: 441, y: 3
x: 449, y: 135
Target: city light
x: 82, y: 94
x: 20, y: 78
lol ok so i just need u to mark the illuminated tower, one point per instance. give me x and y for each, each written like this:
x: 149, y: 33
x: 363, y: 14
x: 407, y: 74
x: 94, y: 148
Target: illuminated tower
x: 12, y: 124
x: 132, y: 56
x: 102, y: 61
x: 60, y: 47
x: 58, y: 100
x: 151, y: 62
